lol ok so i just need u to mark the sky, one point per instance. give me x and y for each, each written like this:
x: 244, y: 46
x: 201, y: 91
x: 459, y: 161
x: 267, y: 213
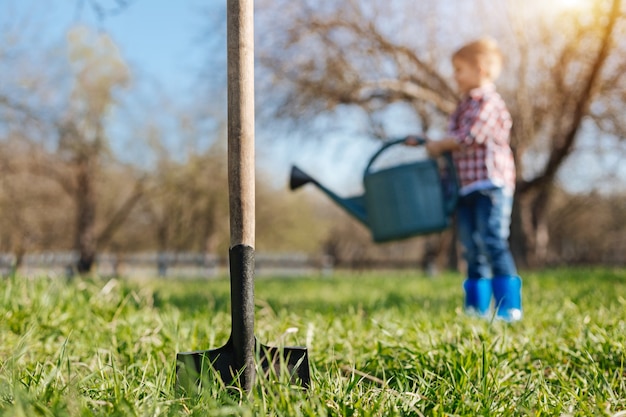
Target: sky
x: 162, y: 41
x: 159, y: 38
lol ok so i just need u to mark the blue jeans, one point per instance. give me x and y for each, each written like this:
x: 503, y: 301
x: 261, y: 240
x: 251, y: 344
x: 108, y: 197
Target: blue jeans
x: 483, y: 221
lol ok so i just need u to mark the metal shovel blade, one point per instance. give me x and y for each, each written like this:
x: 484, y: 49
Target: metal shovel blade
x: 192, y: 368
x: 235, y: 362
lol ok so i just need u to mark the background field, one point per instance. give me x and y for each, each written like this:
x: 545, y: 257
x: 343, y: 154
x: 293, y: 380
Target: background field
x: 379, y: 344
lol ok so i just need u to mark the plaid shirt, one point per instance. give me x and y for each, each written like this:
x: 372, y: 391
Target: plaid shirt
x: 481, y: 124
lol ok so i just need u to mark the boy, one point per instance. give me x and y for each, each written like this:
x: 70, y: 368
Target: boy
x: 478, y: 137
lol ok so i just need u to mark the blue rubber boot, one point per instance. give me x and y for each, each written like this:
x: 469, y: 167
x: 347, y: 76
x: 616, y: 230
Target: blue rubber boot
x: 507, y: 292
x: 478, y: 296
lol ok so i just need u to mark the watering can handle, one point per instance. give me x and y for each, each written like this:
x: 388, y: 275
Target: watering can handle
x: 387, y: 145
x: 452, y: 198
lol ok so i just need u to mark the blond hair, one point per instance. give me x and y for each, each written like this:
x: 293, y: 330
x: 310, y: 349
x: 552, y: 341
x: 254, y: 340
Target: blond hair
x: 484, y: 53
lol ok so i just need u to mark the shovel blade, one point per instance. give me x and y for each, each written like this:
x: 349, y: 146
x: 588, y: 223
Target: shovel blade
x: 195, y: 366
x: 289, y: 361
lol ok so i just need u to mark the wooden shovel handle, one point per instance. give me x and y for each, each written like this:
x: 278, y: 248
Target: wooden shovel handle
x: 240, y: 44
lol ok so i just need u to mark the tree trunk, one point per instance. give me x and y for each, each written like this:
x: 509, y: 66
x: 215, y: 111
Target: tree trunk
x: 520, y: 235
x: 529, y: 228
x: 540, y: 205
x: 85, y: 216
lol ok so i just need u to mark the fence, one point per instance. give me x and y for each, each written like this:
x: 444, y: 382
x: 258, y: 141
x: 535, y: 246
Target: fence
x: 165, y: 264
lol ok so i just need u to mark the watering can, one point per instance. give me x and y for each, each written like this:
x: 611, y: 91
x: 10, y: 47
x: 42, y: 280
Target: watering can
x: 401, y: 201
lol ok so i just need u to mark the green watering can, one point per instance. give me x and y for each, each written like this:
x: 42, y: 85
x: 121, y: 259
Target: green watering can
x: 402, y: 201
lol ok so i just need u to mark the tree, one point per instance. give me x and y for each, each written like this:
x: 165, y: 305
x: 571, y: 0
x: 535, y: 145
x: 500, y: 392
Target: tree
x: 583, y: 75
x: 98, y: 70
x: 187, y: 203
x: 588, y: 228
x: 23, y: 199
x: 66, y: 137
x: 563, y: 75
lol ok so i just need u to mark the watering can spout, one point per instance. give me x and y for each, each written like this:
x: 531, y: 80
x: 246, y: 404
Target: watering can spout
x: 299, y: 178
x: 355, y: 206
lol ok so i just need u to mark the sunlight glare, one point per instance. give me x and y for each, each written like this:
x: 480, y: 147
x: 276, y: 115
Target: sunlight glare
x: 571, y: 5
x: 553, y: 8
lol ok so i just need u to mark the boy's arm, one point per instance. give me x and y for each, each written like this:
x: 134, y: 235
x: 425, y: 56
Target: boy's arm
x: 438, y: 147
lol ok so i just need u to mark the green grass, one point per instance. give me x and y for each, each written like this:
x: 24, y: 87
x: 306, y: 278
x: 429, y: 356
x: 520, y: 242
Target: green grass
x: 379, y: 344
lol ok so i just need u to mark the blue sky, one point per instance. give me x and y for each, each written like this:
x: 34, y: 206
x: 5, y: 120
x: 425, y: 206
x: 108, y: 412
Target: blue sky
x: 158, y: 38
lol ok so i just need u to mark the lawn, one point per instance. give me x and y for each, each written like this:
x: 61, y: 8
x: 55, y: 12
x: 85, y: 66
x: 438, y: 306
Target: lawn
x: 380, y: 343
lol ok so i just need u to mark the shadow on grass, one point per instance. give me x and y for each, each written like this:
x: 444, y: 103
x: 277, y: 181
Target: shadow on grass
x: 193, y: 302
x: 400, y: 301
x: 323, y: 295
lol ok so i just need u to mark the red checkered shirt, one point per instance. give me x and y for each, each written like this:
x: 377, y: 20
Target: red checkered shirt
x: 481, y: 124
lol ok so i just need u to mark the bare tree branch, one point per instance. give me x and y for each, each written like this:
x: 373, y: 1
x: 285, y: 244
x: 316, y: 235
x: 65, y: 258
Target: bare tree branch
x: 581, y: 103
x: 122, y: 213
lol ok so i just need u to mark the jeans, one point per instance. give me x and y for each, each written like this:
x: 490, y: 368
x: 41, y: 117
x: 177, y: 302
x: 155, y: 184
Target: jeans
x: 483, y: 221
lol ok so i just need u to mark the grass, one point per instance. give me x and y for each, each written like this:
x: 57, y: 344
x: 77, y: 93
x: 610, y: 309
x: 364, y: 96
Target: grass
x: 393, y: 343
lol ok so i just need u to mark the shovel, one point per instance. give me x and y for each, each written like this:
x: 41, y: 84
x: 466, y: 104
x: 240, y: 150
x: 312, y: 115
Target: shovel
x: 236, y: 361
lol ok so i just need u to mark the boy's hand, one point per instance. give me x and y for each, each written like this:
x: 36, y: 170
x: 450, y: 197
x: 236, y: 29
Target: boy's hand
x: 438, y: 147
x: 411, y: 141
x: 433, y: 148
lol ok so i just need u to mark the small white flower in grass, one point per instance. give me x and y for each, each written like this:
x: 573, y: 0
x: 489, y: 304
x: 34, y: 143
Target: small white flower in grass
x: 106, y: 290
x: 291, y: 330
x: 286, y: 333
x: 310, y: 331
